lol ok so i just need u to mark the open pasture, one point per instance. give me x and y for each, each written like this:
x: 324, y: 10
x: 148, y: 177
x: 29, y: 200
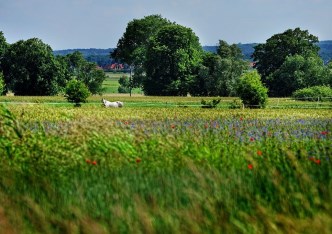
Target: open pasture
x: 139, y: 100
x: 111, y: 83
x: 164, y: 168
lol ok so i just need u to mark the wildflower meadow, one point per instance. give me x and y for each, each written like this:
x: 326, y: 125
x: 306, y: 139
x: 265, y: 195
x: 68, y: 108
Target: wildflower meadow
x: 163, y: 168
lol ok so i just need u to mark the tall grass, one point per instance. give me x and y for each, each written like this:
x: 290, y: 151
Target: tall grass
x: 164, y: 170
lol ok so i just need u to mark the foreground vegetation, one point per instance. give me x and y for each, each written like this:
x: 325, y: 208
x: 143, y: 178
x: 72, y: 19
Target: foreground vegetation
x: 160, y: 169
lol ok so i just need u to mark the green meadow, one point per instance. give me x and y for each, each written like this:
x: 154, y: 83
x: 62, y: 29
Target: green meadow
x: 164, y: 165
x: 111, y: 83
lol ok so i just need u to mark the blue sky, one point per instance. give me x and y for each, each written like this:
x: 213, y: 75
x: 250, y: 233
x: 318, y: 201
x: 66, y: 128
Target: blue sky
x: 65, y: 24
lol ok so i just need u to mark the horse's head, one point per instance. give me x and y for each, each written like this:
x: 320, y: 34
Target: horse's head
x: 103, y: 101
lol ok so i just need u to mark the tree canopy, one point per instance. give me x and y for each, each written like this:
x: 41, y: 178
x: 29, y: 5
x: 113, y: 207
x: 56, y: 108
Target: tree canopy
x: 298, y: 72
x: 30, y: 68
x: 132, y: 45
x: 270, y: 56
x: 219, y: 73
x: 171, y: 58
x: 3, y: 45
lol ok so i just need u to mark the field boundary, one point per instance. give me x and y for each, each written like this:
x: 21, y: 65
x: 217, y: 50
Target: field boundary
x: 225, y: 105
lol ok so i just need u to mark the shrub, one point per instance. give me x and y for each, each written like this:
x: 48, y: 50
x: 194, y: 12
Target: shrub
x: 251, y: 90
x: 123, y: 89
x: 124, y: 84
x: 235, y: 104
x: 210, y: 104
x: 76, y: 92
x: 323, y: 93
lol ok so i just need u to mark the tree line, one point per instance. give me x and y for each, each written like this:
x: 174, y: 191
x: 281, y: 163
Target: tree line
x: 29, y: 68
x: 167, y: 59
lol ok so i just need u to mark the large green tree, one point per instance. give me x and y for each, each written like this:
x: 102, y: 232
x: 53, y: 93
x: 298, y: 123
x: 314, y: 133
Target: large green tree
x: 172, y: 57
x: 270, y: 56
x: 298, y: 72
x: 30, y: 68
x: 131, y: 47
x: 207, y: 81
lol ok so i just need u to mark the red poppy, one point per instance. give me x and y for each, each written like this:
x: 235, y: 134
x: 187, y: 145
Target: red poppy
x: 173, y: 126
x: 252, y: 139
x: 324, y: 133
x: 250, y: 166
x: 317, y: 161
x: 87, y: 160
x: 259, y: 153
x: 138, y: 160
x: 241, y: 118
x: 94, y: 163
x: 312, y: 159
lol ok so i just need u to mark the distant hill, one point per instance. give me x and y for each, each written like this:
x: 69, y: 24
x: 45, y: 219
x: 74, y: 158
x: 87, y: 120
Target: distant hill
x: 102, y: 56
x: 325, y: 50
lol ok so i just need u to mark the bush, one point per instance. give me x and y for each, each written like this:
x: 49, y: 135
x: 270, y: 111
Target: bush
x: 252, y: 91
x: 210, y: 104
x: 123, y: 89
x: 124, y: 84
x: 323, y: 93
x: 236, y: 104
x: 76, y: 92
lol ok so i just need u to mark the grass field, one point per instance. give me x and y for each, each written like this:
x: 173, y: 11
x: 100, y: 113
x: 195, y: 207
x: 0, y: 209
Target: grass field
x: 111, y: 84
x: 164, y: 165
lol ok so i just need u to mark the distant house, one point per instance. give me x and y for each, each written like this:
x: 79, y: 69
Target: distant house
x: 114, y: 66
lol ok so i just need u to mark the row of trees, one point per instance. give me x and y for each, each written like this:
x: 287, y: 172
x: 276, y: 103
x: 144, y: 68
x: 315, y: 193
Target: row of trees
x: 167, y: 59
x: 28, y: 67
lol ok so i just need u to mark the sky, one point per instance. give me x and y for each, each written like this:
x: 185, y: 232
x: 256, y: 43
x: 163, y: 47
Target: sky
x: 69, y: 24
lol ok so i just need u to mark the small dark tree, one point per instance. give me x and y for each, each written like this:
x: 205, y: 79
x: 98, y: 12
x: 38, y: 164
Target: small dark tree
x: 3, y: 46
x: 124, y: 84
x: 251, y: 90
x: 2, y: 84
x: 76, y: 92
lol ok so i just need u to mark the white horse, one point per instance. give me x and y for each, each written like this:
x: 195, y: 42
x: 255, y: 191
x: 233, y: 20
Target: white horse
x: 112, y: 104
